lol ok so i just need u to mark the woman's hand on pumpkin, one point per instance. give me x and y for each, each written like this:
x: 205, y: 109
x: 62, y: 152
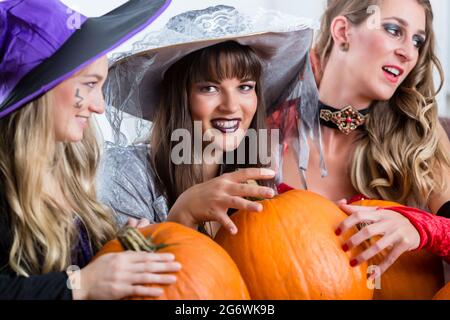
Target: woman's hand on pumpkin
x: 135, y: 223
x: 341, y: 202
x: 119, y: 275
x: 210, y: 201
x: 397, y: 234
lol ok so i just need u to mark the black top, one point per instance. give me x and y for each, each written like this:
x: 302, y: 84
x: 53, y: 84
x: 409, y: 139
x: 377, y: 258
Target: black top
x: 345, y: 120
x: 444, y: 211
x: 52, y: 286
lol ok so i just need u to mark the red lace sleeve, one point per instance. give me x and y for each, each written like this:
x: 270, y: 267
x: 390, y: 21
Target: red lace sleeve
x: 434, y: 230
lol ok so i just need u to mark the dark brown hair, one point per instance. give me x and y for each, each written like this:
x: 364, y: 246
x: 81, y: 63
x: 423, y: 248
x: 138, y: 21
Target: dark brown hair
x: 215, y: 63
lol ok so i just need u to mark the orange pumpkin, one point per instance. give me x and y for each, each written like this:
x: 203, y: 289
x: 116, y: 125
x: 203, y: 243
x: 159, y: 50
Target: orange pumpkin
x: 416, y: 275
x: 443, y: 294
x: 290, y: 250
x: 207, y: 273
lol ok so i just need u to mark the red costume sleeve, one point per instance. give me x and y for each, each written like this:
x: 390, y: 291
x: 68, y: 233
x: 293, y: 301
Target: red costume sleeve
x: 434, y: 230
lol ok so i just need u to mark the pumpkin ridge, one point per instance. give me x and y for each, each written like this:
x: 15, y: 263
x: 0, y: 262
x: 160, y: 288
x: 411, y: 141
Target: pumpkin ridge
x: 209, y: 264
x: 189, y: 282
x: 318, y: 246
x: 242, y: 219
x: 298, y: 268
x: 246, y: 240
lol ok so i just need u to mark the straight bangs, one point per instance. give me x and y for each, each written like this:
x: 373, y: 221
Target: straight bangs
x: 227, y: 60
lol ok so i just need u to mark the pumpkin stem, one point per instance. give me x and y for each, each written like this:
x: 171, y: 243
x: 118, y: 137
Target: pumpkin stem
x: 132, y: 239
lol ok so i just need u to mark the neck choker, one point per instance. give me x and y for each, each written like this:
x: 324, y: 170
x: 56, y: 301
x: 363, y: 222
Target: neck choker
x: 346, y: 120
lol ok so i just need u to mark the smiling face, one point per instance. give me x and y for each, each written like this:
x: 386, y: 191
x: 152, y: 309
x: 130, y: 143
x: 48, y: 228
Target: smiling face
x: 379, y: 59
x: 225, y: 109
x: 76, y: 99
x: 223, y: 93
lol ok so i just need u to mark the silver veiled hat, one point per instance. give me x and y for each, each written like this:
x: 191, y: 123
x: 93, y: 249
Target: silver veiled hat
x: 281, y: 41
x: 135, y: 76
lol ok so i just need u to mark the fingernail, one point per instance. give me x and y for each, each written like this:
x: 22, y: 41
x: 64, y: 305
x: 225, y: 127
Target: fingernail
x: 233, y: 230
x: 159, y: 291
x: 345, y: 247
x: 270, y: 193
x: 168, y: 256
x: 177, y: 265
x: 172, y: 278
x: 354, y: 263
x: 267, y: 172
x: 258, y: 207
x: 338, y: 232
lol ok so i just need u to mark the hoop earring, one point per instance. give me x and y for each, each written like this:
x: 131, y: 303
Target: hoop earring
x: 345, y: 46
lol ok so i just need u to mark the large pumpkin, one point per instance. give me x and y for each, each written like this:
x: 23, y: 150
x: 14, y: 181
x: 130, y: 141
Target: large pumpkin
x: 443, y: 294
x: 416, y: 275
x: 290, y: 250
x: 207, y: 273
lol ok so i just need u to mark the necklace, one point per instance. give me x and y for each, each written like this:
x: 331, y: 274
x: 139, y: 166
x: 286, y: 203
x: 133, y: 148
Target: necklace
x: 346, y: 120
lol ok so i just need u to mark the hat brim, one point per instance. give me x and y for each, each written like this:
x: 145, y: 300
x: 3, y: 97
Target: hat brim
x: 96, y: 37
x: 283, y: 55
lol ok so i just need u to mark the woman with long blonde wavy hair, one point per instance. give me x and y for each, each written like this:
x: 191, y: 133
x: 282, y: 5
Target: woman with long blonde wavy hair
x: 51, y: 224
x: 374, y: 63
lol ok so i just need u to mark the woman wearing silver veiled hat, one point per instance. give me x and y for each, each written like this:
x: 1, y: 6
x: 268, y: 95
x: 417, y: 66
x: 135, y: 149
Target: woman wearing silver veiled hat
x: 220, y: 75
x: 53, y: 66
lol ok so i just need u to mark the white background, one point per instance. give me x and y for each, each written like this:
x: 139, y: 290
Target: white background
x: 307, y: 8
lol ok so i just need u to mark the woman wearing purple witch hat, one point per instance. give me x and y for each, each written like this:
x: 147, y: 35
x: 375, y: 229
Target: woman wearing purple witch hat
x: 52, y: 69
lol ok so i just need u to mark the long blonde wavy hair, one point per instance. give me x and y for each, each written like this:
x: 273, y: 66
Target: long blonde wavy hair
x: 399, y: 156
x: 42, y: 226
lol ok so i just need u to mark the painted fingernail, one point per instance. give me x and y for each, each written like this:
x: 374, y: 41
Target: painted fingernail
x: 353, y: 263
x: 345, y: 247
x: 267, y: 172
x: 338, y: 231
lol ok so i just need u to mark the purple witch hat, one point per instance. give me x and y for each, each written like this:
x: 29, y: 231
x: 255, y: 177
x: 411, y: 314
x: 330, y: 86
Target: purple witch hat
x: 42, y: 43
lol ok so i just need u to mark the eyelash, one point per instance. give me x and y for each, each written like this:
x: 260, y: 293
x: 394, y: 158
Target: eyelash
x: 248, y: 86
x: 419, y: 42
x: 244, y: 87
x: 207, y: 89
x: 91, y: 84
x: 392, y: 27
